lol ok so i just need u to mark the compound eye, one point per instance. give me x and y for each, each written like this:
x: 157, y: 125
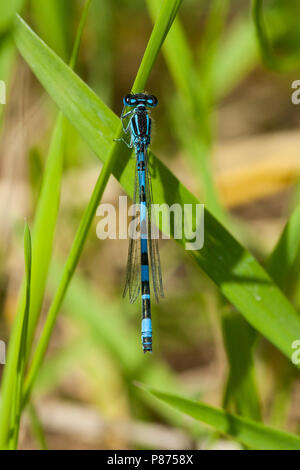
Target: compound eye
x: 152, y: 101
x: 129, y: 100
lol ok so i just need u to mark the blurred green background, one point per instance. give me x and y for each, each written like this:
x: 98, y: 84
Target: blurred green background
x: 232, y: 139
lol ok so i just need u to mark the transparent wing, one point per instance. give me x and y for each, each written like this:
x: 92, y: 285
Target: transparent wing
x: 133, y: 271
x: 153, y: 242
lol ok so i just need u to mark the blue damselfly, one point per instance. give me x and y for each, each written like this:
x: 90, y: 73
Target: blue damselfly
x: 139, y: 252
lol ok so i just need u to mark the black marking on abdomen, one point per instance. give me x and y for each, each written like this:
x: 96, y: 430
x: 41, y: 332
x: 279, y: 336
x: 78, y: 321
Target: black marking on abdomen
x: 142, y: 194
x: 145, y: 287
x: 146, y: 308
x: 144, y: 258
x: 141, y: 166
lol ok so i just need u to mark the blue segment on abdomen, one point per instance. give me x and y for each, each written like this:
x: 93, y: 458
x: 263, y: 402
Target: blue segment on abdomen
x: 143, y: 220
x: 144, y: 245
x: 145, y: 272
x: 146, y: 328
x: 143, y: 210
x: 147, y: 335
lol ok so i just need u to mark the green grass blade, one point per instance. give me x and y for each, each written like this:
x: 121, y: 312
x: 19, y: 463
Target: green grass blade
x: 281, y: 405
x: 37, y: 428
x: 12, y: 383
x: 246, y: 431
x: 183, y: 71
x: 7, y: 60
x: 270, y: 59
x: 239, y: 340
x: 283, y: 257
x: 263, y: 40
x: 23, y: 340
x: 163, y: 23
x: 51, y: 19
x: 7, y: 51
x: 45, y: 223
x: 78, y: 38
x: 8, y: 11
x: 239, y: 276
x: 160, y: 30
x: 102, y: 51
x: 210, y: 42
x: 236, y: 58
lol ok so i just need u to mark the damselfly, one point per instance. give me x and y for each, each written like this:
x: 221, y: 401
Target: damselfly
x: 140, y: 250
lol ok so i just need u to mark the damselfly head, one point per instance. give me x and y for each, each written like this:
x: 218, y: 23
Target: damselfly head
x: 149, y: 101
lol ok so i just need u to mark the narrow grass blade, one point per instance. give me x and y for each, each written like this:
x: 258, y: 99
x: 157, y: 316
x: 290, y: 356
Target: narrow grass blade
x: 101, y: 74
x: 50, y: 19
x: 8, y: 11
x: 239, y: 276
x: 167, y: 14
x: 12, y: 384
x: 239, y: 340
x: 210, y: 41
x: 7, y: 60
x: 37, y: 427
x: 263, y: 40
x: 23, y: 340
x: 78, y: 38
x: 286, y: 252
x: 270, y: 59
x: 281, y: 405
x: 45, y: 223
x: 236, y: 58
x: 246, y: 431
x: 7, y: 51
